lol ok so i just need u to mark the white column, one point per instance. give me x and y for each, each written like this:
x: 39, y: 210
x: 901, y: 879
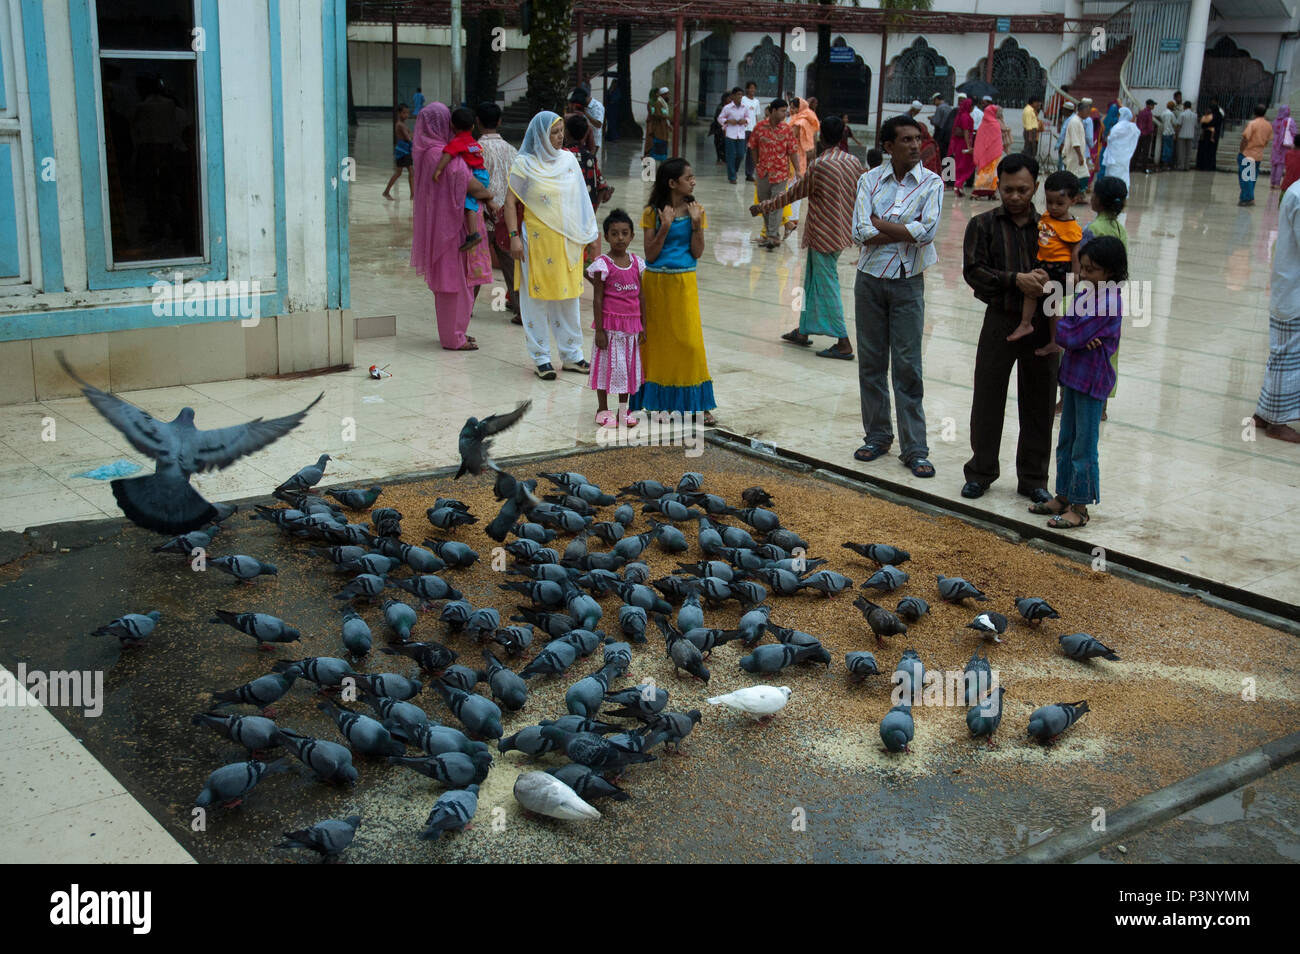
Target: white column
x: 1073, y: 11
x: 457, y: 69
x: 1198, y: 23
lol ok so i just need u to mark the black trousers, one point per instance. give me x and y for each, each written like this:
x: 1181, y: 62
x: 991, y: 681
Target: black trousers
x: 1035, y: 395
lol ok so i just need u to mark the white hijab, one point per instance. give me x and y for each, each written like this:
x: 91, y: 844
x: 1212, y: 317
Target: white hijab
x: 1120, y: 146
x: 549, y: 183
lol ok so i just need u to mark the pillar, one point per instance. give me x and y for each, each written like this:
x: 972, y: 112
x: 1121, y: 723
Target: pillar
x: 1198, y: 24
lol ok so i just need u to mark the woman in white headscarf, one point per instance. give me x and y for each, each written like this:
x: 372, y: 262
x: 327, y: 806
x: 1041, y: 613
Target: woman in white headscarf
x: 1120, y: 146
x: 551, y: 221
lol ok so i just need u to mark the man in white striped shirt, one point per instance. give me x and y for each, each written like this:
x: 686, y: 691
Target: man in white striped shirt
x: 895, y: 220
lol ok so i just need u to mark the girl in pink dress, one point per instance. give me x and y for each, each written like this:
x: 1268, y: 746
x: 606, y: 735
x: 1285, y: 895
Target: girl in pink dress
x: 617, y: 303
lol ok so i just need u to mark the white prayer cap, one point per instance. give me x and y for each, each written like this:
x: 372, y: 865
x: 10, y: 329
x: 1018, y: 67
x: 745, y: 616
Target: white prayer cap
x: 916, y: 104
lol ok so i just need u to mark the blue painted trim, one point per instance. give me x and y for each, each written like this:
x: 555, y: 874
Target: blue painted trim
x: 664, y: 397
x: 89, y: 132
x: 10, y: 259
x: 277, y: 156
x: 47, y: 193
x: 333, y: 179
x: 88, y: 321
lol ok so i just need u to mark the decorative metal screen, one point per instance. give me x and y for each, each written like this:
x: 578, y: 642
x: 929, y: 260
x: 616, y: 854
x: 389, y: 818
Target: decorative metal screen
x: 1017, y: 75
x: 1237, y: 80
x: 761, y: 66
x: 919, y: 72
x: 848, y: 92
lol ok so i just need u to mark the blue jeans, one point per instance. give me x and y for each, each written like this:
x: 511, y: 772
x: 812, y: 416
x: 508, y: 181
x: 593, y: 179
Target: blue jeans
x: 1078, y: 476
x: 1247, y: 185
x: 735, y: 156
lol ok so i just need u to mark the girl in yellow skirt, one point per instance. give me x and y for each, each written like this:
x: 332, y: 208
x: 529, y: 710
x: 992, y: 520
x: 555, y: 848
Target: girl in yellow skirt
x: 675, y: 369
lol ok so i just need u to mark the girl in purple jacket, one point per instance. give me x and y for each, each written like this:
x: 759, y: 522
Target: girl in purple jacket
x: 1089, y: 333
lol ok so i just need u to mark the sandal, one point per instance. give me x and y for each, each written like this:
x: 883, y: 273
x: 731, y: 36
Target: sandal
x: 869, y: 452
x: 833, y: 352
x: 709, y: 419
x: 921, y: 467
x: 606, y: 419
x: 626, y: 419
x: 469, y: 345
x: 1064, y: 521
x: 1054, y: 507
x: 794, y: 337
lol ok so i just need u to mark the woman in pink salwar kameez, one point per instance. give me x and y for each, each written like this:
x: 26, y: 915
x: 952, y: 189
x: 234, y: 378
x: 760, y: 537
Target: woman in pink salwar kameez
x: 439, y: 229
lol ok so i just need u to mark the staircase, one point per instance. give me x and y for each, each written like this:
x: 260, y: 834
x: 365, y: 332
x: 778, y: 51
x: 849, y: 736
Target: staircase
x: 1099, y: 81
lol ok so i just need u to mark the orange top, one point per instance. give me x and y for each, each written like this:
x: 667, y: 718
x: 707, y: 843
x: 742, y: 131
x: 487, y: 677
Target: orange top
x: 1055, y: 238
x: 1255, y: 138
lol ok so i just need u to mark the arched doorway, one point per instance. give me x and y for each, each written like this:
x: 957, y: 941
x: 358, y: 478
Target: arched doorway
x: 848, y: 86
x: 1236, y: 79
x: 919, y: 72
x: 1017, y: 74
x: 762, y: 66
x: 715, y: 63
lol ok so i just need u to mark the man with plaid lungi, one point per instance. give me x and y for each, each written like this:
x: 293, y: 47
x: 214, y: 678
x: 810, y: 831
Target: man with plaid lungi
x: 1279, y: 397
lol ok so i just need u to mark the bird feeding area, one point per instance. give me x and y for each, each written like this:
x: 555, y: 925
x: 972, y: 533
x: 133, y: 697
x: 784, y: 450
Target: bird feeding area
x: 1193, y: 685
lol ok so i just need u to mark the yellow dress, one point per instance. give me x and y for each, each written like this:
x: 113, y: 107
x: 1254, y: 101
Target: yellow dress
x: 674, y: 366
x: 554, y: 272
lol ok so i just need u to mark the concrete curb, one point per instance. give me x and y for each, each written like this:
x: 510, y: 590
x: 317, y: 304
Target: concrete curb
x: 1164, y: 804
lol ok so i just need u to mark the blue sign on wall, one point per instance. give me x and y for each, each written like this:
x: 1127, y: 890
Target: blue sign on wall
x: 1004, y: 24
x: 941, y: 70
x: 842, y: 54
x: 1171, y: 45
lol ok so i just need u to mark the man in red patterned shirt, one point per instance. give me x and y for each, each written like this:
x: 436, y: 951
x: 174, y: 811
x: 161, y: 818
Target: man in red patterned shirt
x: 775, y: 146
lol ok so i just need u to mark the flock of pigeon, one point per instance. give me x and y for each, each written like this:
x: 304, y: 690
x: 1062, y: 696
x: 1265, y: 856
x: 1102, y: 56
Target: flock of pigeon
x: 558, y: 594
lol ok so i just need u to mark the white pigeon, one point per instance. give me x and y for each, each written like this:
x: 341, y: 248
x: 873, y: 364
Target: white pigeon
x: 543, y: 793
x: 760, y: 701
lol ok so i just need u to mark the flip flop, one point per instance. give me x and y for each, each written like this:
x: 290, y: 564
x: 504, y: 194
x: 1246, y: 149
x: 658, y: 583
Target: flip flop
x: 794, y: 338
x: 832, y: 352
x: 869, y: 452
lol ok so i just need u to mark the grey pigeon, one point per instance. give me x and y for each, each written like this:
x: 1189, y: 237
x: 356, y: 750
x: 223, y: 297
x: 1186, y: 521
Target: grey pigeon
x: 1047, y: 722
x: 330, y: 761
x: 164, y: 501
x: 354, y: 498
x: 691, y: 615
x: 690, y: 482
x: 747, y: 592
x: 229, y: 784
x: 566, y: 478
x: 366, y: 735
x: 909, y: 677
x: 535, y: 532
x: 552, y: 624
x: 391, y: 685
x: 573, y: 723
x: 544, y: 794
x: 753, y: 624
x: 977, y: 678
x: 991, y: 624
x: 483, y: 622
x: 187, y: 543
x: 373, y: 563
x: 436, y: 739
x: 954, y: 589
x: 528, y: 740
x: 448, y: 518
x: 386, y: 522
x: 642, y: 702
x: 632, y: 620
x: 983, y: 719
x: 431, y: 656
x: 882, y: 622
x: 262, y: 627
x: 479, y: 715
x: 130, y: 628
x: 827, y: 581
x: 583, y: 609
x: 786, y: 539
x: 644, y: 488
x: 684, y: 654
x: 860, y: 664
x: 618, y: 656
x: 309, y: 476
x: 756, y: 497
x: 261, y: 692
x: 453, y: 811
x: 456, y: 614
x: 629, y: 548
x: 585, y: 697
x: 897, y: 729
x: 885, y: 579
x: 1083, y: 646
x: 718, y: 568
x: 366, y: 585
x: 456, y: 554
x: 506, y: 686
x: 774, y: 658
x: 326, y: 671
x: 428, y: 587
x: 404, y: 716
x: 881, y: 554
x: 254, y: 733
x: 594, y: 751
x: 514, y: 639
x: 625, y: 514
x: 670, y: 728
x: 473, y: 442
x: 588, y: 783
x: 328, y: 838
x: 584, y: 641
x: 340, y: 556
x: 244, y: 568
x: 400, y: 618
x: 609, y: 531
x: 669, y: 539
x: 453, y: 769
x: 912, y: 608
x: 636, y: 572
x: 710, y: 539
x: 764, y: 521
x: 783, y: 582
x: 1033, y: 609
x: 461, y: 677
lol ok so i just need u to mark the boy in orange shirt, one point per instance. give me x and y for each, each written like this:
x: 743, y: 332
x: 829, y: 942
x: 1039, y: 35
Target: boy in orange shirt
x: 1059, y: 234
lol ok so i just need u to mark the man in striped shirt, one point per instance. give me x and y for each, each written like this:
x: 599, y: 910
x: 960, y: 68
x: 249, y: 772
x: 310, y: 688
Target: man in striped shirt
x: 830, y: 186
x: 895, y: 220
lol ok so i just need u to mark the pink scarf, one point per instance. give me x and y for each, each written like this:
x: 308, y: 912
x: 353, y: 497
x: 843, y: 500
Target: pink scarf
x: 988, y: 141
x: 439, y: 209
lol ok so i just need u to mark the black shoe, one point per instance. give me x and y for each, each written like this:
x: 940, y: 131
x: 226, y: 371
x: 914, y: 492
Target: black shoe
x: 971, y: 490
x: 1038, y: 495
x: 546, y: 372
x: 749, y: 178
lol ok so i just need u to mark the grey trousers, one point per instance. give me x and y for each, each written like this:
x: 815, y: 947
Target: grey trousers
x: 1183, y: 153
x: 890, y: 316
x: 771, y: 220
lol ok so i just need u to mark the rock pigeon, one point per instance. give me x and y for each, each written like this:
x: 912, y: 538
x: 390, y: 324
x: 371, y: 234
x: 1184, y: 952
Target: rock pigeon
x: 585, y: 697
x: 386, y: 522
x: 455, y: 553
x: 330, y: 761
x: 453, y: 811
x: 882, y: 621
x: 1033, y: 609
x: 912, y: 608
x: 991, y: 624
x: 391, y: 685
x: 428, y: 587
x: 685, y: 655
x: 544, y: 794
x: 909, y: 677
x: 473, y: 442
x: 131, y: 628
x: 366, y: 735
x: 977, y: 678
x: 506, y: 686
x: 431, y: 656
x: 229, y: 784
x: 308, y: 477
x: 897, y: 729
x: 478, y: 714
x: 535, y: 532
x: 984, y: 718
x: 1047, y: 722
x: 448, y: 518
x: 164, y: 500
x: 328, y: 838
x: 1083, y: 646
x: 187, y: 543
x: 954, y: 589
x: 786, y: 539
x: 774, y: 658
x: 254, y: 733
x: 828, y: 582
x: 861, y: 664
x: 452, y: 769
x: 618, y: 656
x: 642, y: 702
x: 756, y: 497
x: 243, y: 568
x: 632, y: 621
x: 374, y: 563
x: 753, y: 624
x: 366, y: 585
x: 643, y: 488
x: 886, y: 579
x: 404, y: 717
x: 261, y: 692
x: 670, y: 728
x: 264, y: 628
x: 461, y: 677
x: 355, y: 498
x: 588, y: 783
x: 399, y: 618
x: 325, y: 671
x: 514, y: 639
x: 762, y: 702
x: 881, y: 554
x: 528, y: 740
x: 595, y: 751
